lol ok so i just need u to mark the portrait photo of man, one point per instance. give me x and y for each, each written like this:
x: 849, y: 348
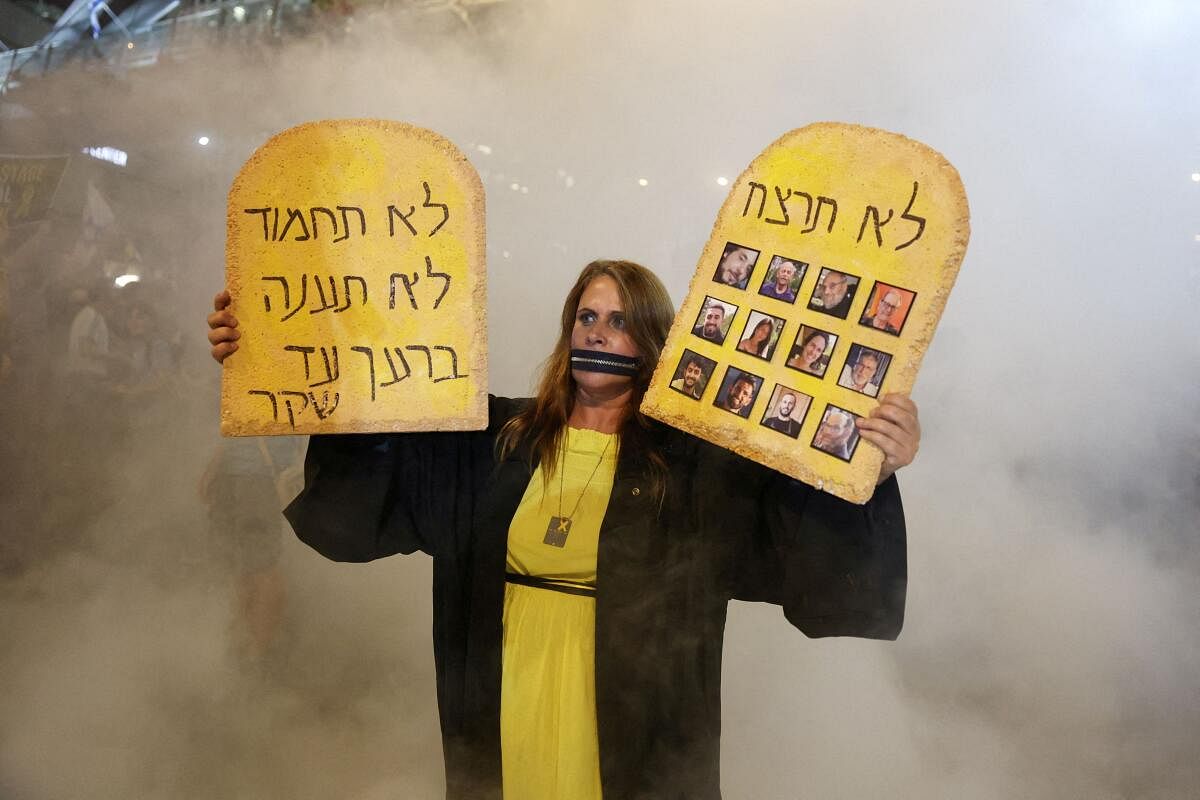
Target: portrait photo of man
x: 714, y: 320
x: 785, y: 413
x: 887, y: 309
x: 737, y: 262
x: 692, y: 374
x: 738, y: 391
x: 783, y: 278
x: 837, y: 434
x: 834, y: 293
x: 864, y: 370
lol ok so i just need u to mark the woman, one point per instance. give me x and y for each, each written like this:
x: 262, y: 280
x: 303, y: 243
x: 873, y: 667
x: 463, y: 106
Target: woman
x: 585, y: 658
x: 756, y: 343
x: 807, y: 357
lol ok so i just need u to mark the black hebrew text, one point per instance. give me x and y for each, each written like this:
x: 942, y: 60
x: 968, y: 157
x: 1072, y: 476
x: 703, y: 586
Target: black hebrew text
x: 379, y: 367
x: 338, y: 223
x: 319, y: 293
x: 819, y: 214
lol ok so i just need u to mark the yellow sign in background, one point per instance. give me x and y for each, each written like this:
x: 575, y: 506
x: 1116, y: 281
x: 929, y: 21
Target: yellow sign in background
x: 355, y: 258
x: 882, y: 213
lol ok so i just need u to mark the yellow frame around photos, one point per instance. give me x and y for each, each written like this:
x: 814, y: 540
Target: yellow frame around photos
x: 369, y: 165
x: 859, y: 169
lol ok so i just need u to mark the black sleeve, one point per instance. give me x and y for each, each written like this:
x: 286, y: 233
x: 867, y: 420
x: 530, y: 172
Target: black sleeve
x: 367, y: 496
x: 837, y: 568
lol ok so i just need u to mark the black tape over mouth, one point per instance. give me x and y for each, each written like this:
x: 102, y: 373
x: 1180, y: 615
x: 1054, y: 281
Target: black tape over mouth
x: 610, y: 363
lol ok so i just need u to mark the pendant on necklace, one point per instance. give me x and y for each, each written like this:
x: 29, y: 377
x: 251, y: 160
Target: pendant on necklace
x: 556, y: 531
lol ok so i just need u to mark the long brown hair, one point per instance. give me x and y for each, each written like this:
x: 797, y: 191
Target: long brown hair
x: 761, y: 346
x: 648, y: 315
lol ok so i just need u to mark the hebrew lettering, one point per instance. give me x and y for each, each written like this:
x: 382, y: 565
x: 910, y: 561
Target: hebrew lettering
x: 370, y: 354
x: 445, y: 212
x: 325, y: 304
x: 873, y: 213
x: 393, y: 213
x: 288, y: 404
x: 355, y: 262
x: 303, y: 299
x: 454, y: 374
x: 331, y: 373
x: 756, y: 187
x: 286, y: 294
x: 396, y: 377
x: 430, y: 273
x: 912, y: 218
x: 312, y: 212
x: 823, y: 201
x: 408, y: 287
x: 265, y: 213
x: 782, y: 207
x: 808, y: 204
x: 306, y: 352
x: 346, y: 291
x: 294, y: 214
x: 324, y: 409
x: 428, y: 357
x: 274, y: 404
x: 346, y: 222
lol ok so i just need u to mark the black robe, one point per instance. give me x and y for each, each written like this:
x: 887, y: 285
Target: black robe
x: 725, y: 529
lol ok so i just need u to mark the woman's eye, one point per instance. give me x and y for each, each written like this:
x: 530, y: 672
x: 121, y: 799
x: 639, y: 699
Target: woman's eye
x: 618, y: 323
x: 587, y: 317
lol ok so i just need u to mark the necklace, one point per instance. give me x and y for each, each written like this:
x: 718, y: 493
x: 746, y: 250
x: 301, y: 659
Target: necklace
x: 560, y: 526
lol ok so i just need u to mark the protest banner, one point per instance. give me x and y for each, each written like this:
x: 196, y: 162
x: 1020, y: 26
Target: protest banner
x: 27, y: 187
x: 818, y: 292
x: 355, y: 258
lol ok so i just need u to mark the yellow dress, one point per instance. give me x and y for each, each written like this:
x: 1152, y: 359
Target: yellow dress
x: 548, y: 691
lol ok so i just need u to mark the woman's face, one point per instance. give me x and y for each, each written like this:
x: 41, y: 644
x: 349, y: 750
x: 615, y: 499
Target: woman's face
x: 762, y: 331
x: 600, y: 325
x: 813, y: 350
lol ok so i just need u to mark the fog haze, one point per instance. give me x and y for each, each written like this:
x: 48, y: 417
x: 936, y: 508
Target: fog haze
x: 1050, y: 647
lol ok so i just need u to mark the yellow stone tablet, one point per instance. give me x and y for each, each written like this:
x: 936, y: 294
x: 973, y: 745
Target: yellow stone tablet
x: 355, y: 257
x: 817, y: 293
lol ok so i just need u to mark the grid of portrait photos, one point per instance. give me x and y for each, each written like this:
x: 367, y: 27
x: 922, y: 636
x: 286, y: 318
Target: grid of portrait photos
x: 752, y: 313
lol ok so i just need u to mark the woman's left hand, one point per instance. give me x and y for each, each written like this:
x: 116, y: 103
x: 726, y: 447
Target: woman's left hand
x: 894, y: 428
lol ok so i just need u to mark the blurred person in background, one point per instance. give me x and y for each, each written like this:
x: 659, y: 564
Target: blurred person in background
x: 88, y: 414
x: 244, y: 488
x: 88, y: 337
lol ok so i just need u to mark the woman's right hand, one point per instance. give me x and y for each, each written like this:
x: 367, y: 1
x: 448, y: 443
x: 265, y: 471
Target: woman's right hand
x: 223, y: 333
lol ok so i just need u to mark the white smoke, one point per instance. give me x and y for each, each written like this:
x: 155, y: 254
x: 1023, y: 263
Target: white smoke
x: 1050, y: 648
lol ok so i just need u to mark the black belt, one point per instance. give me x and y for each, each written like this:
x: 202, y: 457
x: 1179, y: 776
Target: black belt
x: 553, y: 584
